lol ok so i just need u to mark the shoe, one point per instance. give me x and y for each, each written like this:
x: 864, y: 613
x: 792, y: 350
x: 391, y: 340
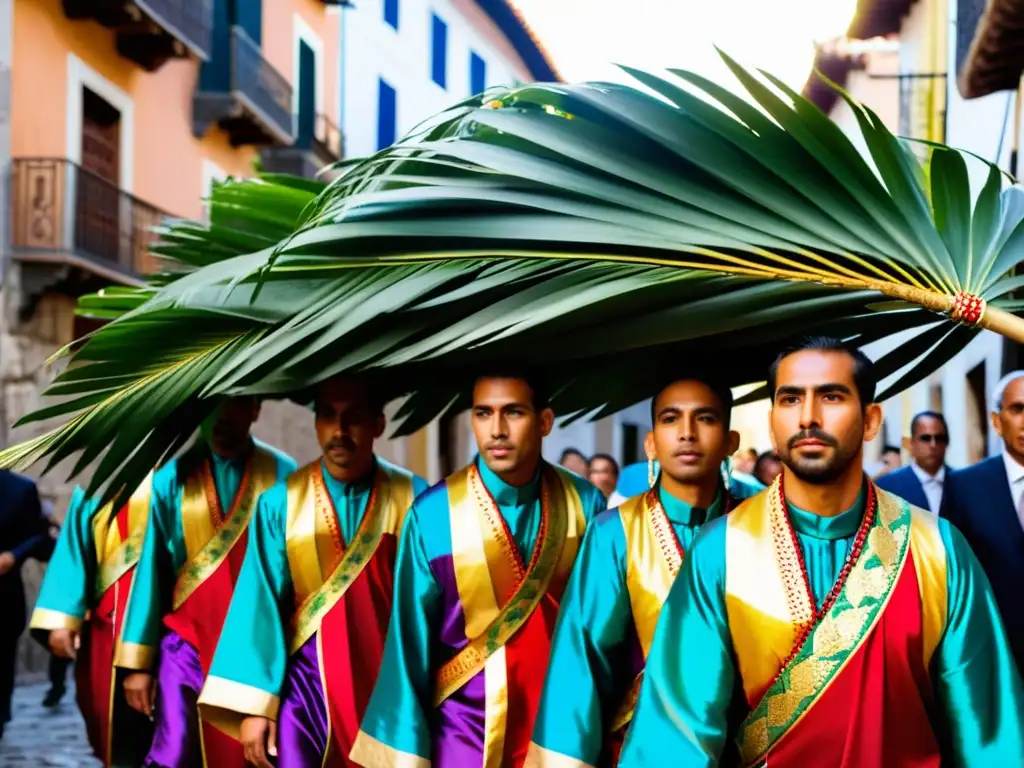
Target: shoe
x: 53, y: 697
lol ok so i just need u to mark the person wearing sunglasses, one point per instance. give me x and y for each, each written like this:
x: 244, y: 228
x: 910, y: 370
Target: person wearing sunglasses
x: 921, y: 482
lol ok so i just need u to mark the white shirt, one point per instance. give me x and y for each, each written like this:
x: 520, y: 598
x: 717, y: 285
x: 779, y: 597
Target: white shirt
x: 932, y: 486
x: 1015, y: 476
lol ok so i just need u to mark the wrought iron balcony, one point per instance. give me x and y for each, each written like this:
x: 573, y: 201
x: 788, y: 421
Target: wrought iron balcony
x: 64, y: 215
x: 318, y: 143
x: 242, y: 93
x: 149, y: 32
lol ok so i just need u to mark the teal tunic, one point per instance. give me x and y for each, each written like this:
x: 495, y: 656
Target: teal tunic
x: 595, y: 652
x: 253, y: 646
x: 427, y: 623
x: 68, y: 587
x: 164, y: 552
x: 691, y: 702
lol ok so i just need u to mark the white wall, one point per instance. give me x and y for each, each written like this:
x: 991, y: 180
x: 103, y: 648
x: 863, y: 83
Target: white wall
x: 373, y: 49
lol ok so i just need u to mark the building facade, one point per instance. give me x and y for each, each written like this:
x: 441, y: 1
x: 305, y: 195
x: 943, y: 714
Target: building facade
x: 926, y: 68
x: 116, y: 114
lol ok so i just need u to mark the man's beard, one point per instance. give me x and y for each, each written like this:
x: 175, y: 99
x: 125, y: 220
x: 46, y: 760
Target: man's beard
x: 822, y: 470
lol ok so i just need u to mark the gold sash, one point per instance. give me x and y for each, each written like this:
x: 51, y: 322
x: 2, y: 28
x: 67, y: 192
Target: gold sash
x: 765, y: 617
x: 209, y: 537
x: 498, y: 594
x: 114, y: 555
x: 653, y: 560
x: 322, y: 568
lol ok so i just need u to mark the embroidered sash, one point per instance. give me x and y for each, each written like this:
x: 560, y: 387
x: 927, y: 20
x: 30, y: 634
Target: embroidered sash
x: 209, y: 536
x: 312, y: 522
x: 653, y: 560
x: 764, y: 616
x: 116, y: 556
x: 498, y: 594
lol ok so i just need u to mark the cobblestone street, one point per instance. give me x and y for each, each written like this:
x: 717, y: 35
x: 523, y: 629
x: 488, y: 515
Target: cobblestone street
x: 47, y: 738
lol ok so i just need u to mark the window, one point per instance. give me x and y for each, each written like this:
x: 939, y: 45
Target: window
x: 391, y: 12
x: 439, y: 52
x: 386, y: 109
x: 477, y: 73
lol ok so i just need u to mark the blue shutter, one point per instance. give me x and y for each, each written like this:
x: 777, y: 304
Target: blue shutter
x: 306, y: 87
x: 391, y: 12
x: 439, y: 52
x: 249, y: 16
x: 386, y: 109
x: 477, y: 73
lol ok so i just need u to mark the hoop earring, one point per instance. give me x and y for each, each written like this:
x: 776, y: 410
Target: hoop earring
x: 651, y: 477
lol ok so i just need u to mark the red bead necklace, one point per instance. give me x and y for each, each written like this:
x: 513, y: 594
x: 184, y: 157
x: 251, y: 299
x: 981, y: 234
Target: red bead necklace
x: 859, y: 540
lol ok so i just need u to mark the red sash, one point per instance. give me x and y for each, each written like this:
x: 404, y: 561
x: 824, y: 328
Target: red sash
x: 351, y: 642
x: 94, y: 669
x: 875, y: 712
x: 848, y: 687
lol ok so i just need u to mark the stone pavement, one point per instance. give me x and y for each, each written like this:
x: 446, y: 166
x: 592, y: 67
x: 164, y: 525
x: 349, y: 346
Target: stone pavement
x: 45, y: 738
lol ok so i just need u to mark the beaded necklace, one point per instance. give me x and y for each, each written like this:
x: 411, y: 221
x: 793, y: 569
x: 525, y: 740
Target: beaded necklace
x: 791, y: 558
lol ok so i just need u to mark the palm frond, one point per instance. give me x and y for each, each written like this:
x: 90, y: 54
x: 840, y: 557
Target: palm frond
x: 598, y: 232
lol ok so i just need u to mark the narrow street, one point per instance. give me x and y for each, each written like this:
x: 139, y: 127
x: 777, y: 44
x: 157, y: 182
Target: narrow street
x: 46, y: 738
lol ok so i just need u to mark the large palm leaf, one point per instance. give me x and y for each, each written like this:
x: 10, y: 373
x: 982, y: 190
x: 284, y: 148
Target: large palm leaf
x: 596, y: 231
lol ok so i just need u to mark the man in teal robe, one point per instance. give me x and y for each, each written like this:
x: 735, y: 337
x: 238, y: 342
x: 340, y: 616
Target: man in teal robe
x: 191, y: 555
x: 482, y: 563
x: 824, y: 621
x: 299, y: 651
x: 80, y: 613
x: 628, y: 561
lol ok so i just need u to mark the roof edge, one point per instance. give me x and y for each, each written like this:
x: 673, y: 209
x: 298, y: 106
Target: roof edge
x: 513, y: 25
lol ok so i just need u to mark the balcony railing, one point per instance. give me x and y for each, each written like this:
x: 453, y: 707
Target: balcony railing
x: 149, y: 32
x: 243, y: 93
x: 328, y: 139
x: 61, y: 210
x: 191, y: 21
x: 253, y: 78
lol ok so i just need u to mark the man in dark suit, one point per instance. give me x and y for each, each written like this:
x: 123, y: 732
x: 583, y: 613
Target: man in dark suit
x: 921, y: 482
x: 986, y: 502
x: 23, y: 534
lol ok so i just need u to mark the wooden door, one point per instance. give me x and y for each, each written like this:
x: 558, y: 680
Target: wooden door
x: 98, y: 214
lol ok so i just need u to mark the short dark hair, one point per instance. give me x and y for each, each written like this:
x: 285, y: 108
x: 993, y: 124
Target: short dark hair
x: 571, y: 452
x: 891, y: 449
x: 376, y: 398
x: 538, y: 388
x: 864, y: 379
x: 928, y: 415
x: 605, y: 457
x: 718, y: 389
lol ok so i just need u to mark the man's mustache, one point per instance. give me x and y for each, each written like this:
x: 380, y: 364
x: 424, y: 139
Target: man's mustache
x: 498, y: 444
x: 345, y: 443
x: 812, y: 434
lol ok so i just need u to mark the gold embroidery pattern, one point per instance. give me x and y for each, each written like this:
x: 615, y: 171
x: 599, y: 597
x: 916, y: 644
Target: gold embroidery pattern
x: 121, y: 560
x: 672, y: 551
x: 367, y: 537
x: 548, y: 551
x: 837, y: 636
x: 228, y: 531
x: 667, y: 540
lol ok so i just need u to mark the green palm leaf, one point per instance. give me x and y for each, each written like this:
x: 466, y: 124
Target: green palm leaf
x: 596, y: 231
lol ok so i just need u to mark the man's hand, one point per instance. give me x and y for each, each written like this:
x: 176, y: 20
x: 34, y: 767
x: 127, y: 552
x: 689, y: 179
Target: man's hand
x: 140, y: 690
x: 7, y: 561
x: 64, y: 643
x: 259, y: 738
